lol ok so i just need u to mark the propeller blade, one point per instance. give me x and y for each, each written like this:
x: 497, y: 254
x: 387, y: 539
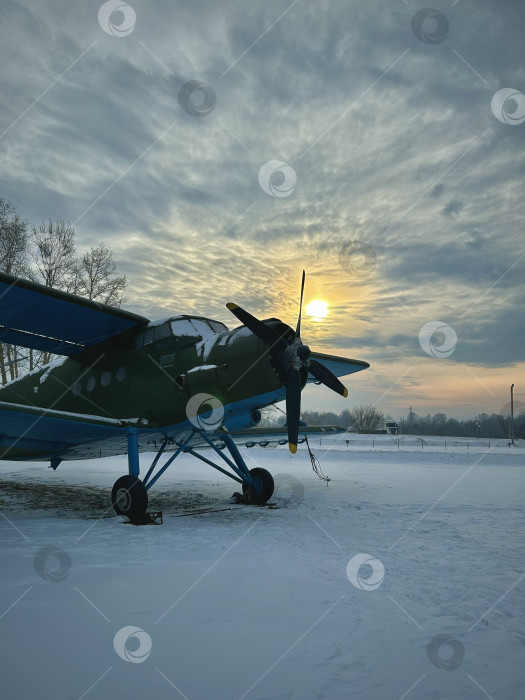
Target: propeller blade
x: 258, y: 328
x: 293, y: 407
x: 298, y: 330
x: 327, y: 378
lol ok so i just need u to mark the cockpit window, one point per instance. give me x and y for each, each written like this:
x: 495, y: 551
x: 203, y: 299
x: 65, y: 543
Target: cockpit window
x: 218, y: 327
x: 184, y: 327
x: 196, y: 327
x: 148, y: 336
x: 202, y: 327
x: 154, y: 333
x: 181, y: 328
x: 163, y: 331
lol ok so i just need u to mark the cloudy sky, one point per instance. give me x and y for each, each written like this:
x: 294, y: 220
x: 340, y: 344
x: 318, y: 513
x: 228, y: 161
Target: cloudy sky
x: 397, y: 143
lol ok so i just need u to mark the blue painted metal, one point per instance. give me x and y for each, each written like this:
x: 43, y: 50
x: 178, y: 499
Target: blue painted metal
x: 340, y: 366
x: 31, y: 433
x: 154, y: 463
x: 43, y: 431
x: 43, y: 318
x: 55, y: 461
x: 234, y: 451
x: 38, y: 342
x: 241, y: 471
x: 133, y: 452
x: 170, y: 461
x: 44, y: 425
x: 212, y: 464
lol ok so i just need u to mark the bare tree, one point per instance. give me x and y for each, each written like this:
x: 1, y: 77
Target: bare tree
x: 96, y: 277
x: 48, y: 256
x: 54, y: 254
x: 14, y: 261
x: 365, y: 419
x: 13, y: 240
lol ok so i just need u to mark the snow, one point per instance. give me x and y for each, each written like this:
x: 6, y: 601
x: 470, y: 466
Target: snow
x: 184, y: 327
x: 46, y: 370
x: 160, y: 321
x: 200, y: 368
x: 256, y: 603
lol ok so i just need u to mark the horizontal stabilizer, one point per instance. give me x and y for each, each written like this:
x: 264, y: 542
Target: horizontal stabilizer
x: 39, y: 317
x: 340, y: 366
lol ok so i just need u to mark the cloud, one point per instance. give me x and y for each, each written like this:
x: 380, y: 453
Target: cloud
x: 453, y: 207
x: 392, y: 140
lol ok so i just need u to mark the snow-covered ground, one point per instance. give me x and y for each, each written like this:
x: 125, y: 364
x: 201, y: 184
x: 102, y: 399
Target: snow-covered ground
x: 250, y: 602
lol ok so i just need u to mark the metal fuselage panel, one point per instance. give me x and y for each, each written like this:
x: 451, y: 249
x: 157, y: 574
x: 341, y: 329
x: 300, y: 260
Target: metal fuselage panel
x: 152, y: 383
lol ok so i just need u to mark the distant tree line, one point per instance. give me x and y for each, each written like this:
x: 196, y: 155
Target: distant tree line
x: 367, y: 419
x: 494, y: 425
x: 47, y: 254
x: 364, y: 419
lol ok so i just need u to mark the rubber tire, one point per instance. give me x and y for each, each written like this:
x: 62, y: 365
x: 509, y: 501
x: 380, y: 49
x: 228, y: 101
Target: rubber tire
x: 129, y: 497
x: 262, y: 490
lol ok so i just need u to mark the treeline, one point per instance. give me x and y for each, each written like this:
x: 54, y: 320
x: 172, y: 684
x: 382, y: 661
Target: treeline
x: 47, y: 254
x: 494, y: 425
x: 362, y: 419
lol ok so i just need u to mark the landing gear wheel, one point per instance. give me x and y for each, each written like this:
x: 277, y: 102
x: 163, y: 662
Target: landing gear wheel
x: 262, y: 489
x: 129, y: 497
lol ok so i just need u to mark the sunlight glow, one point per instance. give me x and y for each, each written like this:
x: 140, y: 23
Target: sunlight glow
x: 317, y: 309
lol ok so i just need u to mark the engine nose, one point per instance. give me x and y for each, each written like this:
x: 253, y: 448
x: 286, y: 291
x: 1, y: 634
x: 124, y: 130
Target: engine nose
x: 282, y: 330
x: 304, y: 353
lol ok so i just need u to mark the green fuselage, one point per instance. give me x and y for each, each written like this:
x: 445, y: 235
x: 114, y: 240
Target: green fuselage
x: 150, y: 375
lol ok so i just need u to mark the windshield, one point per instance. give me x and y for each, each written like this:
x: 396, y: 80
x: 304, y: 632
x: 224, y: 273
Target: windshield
x: 196, y: 326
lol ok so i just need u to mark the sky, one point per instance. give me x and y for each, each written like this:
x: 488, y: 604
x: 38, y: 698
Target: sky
x: 221, y: 147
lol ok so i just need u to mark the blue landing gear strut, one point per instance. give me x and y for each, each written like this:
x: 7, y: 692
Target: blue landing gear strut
x: 130, y: 494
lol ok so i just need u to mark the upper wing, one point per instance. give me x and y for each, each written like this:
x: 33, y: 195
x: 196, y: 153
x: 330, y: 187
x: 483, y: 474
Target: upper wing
x: 340, y: 366
x: 43, y: 318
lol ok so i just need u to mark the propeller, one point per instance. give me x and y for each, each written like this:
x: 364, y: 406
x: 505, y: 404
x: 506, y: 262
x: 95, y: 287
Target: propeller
x: 291, y: 357
x: 322, y: 374
x: 298, y: 329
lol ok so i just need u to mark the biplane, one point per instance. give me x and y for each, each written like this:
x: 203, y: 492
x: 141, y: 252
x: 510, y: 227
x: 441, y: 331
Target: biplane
x: 125, y: 385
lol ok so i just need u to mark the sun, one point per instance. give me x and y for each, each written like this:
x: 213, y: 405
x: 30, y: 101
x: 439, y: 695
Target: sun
x: 317, y: 309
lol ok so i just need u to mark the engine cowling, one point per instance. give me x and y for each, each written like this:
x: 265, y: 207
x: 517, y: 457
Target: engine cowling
x: 241, y: 420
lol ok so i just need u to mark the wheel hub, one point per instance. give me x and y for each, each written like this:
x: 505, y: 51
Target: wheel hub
x: 123, y: 499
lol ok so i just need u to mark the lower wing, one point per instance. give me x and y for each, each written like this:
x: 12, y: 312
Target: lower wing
x: 32, y: 433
